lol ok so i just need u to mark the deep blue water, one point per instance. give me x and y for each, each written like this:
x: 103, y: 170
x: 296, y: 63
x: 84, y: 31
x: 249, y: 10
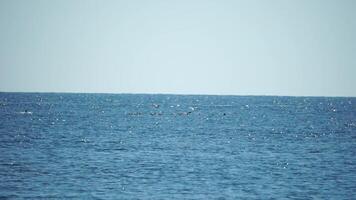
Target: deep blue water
x: 106, y: 146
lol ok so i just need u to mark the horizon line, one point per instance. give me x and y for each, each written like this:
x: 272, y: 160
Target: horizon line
x: 177, y: 94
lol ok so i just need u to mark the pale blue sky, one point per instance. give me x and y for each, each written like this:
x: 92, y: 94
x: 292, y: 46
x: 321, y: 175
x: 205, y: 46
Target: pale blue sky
x: 274, y: 47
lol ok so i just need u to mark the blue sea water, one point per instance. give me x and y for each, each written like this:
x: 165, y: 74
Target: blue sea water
x: 122, y: 146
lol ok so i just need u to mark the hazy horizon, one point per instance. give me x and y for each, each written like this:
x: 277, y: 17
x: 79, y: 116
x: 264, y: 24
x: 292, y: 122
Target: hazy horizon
x: 174, y: 94
x: 279, y: 48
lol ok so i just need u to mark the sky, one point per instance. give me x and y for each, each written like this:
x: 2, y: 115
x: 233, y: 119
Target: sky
x: 252, y: 47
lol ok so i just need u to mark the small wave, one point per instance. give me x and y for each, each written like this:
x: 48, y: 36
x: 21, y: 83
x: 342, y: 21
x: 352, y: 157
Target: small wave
x: 25, y: 113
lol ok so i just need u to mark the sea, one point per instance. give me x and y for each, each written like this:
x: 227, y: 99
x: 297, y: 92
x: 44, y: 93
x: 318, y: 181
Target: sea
x: 141, y: 146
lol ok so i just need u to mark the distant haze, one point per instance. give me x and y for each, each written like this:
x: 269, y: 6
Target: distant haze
x: 276, y: 47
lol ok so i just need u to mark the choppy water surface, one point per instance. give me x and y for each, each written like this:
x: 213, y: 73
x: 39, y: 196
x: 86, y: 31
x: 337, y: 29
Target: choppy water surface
x: 102, y: 146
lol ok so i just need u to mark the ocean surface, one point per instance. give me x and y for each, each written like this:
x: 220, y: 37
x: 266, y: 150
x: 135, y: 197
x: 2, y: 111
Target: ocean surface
x: 122, y: 146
